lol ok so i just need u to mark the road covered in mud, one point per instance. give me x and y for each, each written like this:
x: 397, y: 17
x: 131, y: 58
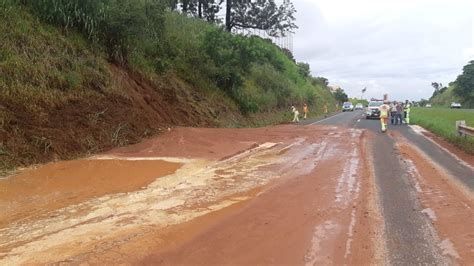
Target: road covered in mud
x: 328, y: 192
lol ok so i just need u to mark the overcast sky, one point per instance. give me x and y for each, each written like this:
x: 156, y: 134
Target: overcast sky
x: 389, y: 46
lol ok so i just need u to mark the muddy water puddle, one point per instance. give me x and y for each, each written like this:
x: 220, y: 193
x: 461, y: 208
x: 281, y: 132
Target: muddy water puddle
x: 57, y: 185
x: 103, y: 200
x: 165, y: 201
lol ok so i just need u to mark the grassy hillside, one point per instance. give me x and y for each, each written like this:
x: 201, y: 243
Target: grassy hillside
x: 446, y: 98
x: 61, y: 98
x: 441, y: 121
x: 67, y: 91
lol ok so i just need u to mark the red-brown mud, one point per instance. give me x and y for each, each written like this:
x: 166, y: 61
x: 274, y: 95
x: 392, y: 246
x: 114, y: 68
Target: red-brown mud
x: 276, y: 195
x: 277, y: 227
x: 446, y: 203
x: 35, y: 192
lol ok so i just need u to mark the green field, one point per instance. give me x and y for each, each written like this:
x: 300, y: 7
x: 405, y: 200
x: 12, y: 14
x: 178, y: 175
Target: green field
x: 441, y: 121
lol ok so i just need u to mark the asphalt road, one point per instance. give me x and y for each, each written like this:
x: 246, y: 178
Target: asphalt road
x: 340, y: 194
x: 410, y: 236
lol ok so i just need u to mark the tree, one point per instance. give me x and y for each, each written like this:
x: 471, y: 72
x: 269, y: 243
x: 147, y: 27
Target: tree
x: 289, y: 54
x: 204, y: 9
x: 209, y: 8
x: 464, y: 84
x: 261, y: 14
x: 423, y: 102
x: 437, y: 86
x: 303, y: 69
x: 340, y: 96
x: 322, y: 80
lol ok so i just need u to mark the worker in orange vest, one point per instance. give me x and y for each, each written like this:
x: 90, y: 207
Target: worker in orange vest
x: 305, y: 111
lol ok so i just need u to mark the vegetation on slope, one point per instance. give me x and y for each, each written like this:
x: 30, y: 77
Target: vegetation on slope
x: 61, y: 98
x: 461, y: 90
x: 126, y: 69
x: 445, y: 98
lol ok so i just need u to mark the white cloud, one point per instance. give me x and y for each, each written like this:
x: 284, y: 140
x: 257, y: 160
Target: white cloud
x: 395, y: 47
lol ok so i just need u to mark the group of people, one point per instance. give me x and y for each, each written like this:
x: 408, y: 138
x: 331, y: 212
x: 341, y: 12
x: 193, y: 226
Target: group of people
x: 398, y: 112
x: 296, y: 113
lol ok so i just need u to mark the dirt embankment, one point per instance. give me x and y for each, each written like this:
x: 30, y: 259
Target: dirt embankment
x: 102, y: 119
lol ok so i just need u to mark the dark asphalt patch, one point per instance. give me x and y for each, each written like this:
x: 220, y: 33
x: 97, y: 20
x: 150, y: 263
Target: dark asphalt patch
x: 410, y: 238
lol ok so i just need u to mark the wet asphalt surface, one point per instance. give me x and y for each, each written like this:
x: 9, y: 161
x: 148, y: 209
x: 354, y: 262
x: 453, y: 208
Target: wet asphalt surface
x: 409, y: 235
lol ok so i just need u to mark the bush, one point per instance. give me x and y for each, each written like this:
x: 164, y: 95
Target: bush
x: 124, y: 27
x: 140, y: 34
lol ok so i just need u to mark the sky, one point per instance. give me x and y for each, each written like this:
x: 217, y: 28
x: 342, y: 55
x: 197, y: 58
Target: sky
x: 396, y: 47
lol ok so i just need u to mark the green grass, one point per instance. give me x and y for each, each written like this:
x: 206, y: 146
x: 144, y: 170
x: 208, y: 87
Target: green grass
x: 62, y: 90
x: 441, y: 121
x: 445, y: 99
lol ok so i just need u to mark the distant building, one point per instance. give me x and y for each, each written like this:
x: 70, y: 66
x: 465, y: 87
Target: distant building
x: 334, y: 88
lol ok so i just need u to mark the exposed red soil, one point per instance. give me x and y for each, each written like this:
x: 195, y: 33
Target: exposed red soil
x: 276, y: 227
x: 96, y: 120
x: 297, y: 197
x: 368, y: 245
x: 447, y: 204
x: 206, y: 143
x: 36, y: 192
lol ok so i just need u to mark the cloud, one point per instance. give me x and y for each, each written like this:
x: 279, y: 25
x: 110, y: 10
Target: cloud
x: 394, y: 47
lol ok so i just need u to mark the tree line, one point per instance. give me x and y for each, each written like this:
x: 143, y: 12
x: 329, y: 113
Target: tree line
x: 462, y: 87
x: 265, y: 15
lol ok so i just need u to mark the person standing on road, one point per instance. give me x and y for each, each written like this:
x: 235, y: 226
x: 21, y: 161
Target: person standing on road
x: 407, y: 112
x: 325, y: 110
x: 305, y: 111
x: 296, y: 118
x: 399, y: 117
x: 384, y: 110
x: 393, y: 112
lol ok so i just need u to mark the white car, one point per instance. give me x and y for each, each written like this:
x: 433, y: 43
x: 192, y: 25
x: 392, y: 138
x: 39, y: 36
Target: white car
x: 373, y: 109
x: 347, y: 106
x: 359, y: 106
x: 455, y: 105
x: 428, y: 105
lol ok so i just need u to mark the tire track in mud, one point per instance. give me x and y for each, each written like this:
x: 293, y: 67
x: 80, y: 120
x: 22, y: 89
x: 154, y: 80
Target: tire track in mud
x: 354, y: 223
x: 198, y: 188
x: 445, y: 202
x: 409, y: 235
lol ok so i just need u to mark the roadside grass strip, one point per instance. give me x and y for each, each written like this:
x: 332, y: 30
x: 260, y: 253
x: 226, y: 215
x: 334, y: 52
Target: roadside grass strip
x: 441, y: 121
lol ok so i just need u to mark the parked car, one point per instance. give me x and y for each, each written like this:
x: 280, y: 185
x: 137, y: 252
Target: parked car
x: 359, y: 106
x: 347, y: 106
x: 428, y: 105
x: 455, y: 105
x: 373, y: 109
